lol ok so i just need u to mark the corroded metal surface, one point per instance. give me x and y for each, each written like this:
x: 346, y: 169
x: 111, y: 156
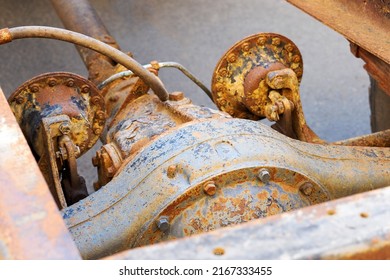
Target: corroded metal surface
x: 31, y: 227
x: 377, y: 68
x: 238, y: 84
x: 115, y: 217
x: 234, y: 197
x: 357, y: 227
x: 60, y: 93
x: 365, y: 23
x: 378, y: 139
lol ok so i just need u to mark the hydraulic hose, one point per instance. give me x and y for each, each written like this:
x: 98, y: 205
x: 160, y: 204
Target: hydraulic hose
x: 9, y: 34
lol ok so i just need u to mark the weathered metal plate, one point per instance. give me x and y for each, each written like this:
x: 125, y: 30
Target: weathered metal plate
x: 357, y: 227
x: 30, y: 224
x: 365, y: 23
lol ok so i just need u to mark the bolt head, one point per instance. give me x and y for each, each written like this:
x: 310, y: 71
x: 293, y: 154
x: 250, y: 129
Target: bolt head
x: 171, y: 171
x: 70, y: 83
x: 100, y: 115
x: 64, y: 128
x: 176, y: 96
x: 264, y: 176
x: 52, y: 82
x: 163, y: 223
x: 95, y: 100
x: 85, y: 88
x: 34, y: 88
x: 307, y: 188
x: 19, y: 99
x: 97, y: 131
x: 210, y: 188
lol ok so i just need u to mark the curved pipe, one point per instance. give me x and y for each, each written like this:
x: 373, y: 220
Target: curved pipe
x: 8, y: 35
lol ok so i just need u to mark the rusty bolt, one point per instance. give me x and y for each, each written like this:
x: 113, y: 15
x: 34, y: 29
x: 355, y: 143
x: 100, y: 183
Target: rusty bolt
x: 52, y: 82
x: 289, y: 47
x: 223, y: 72
x: 296, y: 58
x: 210, y: 188
x: 261, y: 41
x: 163, y: 223
x: 171, y: 171
x: 70, y: 83
x: 276, y: 41
x: 264, y: 175
x: 19, y: 99
x: 34, y: 88
x: 232, y: 58
x: 307, y: 188
x: 95, y: 100
x: 97, y: 131
x: 100, y: 115
x: 246, y: 47
x: 85, y: 88
x: 64, y: 128
x: 176, y: 96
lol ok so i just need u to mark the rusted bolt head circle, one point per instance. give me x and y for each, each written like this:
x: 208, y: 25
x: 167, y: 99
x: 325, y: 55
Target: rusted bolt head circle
x: 261, y: 41
x: 307, y: 188
x: 64, y: 128
x: 97, y: 131
x: 171, y: 171
x: 52, y: 82
x: 95, y: 100
x: 276, y: 41
x: 19, y: 99
x: 176, y: 96
x: 34, y: 88
x: 85, y: 89
x: 264, y: 175
x: 231, y: 58
x: 100, y: 115
x: 246, y: 47
x: 70, y: 83
x: 210, y: 188
x: 163, y: 223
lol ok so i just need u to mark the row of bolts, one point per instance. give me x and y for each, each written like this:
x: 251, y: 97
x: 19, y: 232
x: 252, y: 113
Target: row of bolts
x: 210, y: 189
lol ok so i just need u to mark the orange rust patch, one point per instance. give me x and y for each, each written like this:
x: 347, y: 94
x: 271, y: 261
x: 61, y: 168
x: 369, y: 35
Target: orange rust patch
x: 219, y: 251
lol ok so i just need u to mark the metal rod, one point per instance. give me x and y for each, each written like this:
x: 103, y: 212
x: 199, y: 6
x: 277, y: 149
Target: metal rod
x: 160, y: 65
x: 88, y: 42
x: 378, y: 139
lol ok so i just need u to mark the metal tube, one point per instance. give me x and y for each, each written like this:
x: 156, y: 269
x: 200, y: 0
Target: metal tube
x: 88, y: 42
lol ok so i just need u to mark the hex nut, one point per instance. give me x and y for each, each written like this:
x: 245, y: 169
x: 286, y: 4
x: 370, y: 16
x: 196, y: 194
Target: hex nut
x: 264, y: 175
x: 210, y: 188
x: 163, y: 223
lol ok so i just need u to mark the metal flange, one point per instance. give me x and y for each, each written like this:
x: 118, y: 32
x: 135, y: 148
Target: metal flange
x: 238, y: 84
x: 60, y: 93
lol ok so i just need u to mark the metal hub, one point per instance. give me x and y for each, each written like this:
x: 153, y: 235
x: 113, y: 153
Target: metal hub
x: 238, y: 84
x: 60, y: 93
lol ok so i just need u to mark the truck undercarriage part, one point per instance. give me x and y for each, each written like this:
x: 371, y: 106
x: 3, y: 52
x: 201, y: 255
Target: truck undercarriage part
x: 170, y: 169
